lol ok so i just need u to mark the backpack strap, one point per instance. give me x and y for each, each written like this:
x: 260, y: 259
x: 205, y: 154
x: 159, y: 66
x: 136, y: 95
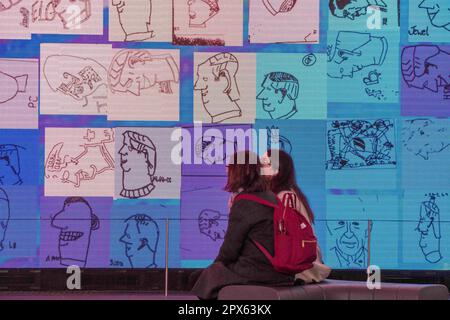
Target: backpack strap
x: 289, y: 200
x: 251, y: 197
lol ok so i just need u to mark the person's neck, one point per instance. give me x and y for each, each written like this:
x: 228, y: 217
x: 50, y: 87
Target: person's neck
x: 11, y: 179
x: 284, y: 113
x: 143, y: 258
x: 136, y: 186
x: 230, y: 109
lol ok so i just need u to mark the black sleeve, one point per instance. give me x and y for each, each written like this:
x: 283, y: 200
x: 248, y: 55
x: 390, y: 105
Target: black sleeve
x: 238, y: 229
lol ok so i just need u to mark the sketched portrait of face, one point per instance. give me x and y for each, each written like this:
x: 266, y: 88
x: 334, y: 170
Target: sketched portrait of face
x: 350, y: 237
x: 140, y: 238
x: 135, y: 19
x: 430, y: 230
x: 212, y: 224
x: 201, y: 11
x: 426, y: 67
x: 438, y: 12
x: 76, y: 221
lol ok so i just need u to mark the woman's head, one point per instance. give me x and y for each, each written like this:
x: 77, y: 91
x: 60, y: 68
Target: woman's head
x: 280, y: 170
x: 244, y: 173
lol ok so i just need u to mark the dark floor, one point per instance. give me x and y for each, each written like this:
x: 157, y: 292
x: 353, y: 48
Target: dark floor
x: 92, y: 295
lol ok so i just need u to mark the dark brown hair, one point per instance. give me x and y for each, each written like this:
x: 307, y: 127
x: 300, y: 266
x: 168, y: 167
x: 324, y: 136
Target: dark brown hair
x: 285, y: 180
x: 244, y: 173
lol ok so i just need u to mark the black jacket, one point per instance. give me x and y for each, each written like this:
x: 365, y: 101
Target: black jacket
x: 239, y: 260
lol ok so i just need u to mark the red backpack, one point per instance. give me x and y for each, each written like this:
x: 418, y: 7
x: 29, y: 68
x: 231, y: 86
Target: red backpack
x: 295, y: 245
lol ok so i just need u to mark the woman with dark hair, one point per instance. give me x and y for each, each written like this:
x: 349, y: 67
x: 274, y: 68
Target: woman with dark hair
x: 239, y: 260
x: 279, y: 170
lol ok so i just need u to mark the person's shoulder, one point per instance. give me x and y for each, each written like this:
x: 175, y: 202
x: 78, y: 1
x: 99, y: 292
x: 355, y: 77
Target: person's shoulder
x: 265, y: 195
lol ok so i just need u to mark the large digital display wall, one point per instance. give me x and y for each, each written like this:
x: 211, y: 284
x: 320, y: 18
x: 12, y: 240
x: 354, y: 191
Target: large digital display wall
x: 93, y: 95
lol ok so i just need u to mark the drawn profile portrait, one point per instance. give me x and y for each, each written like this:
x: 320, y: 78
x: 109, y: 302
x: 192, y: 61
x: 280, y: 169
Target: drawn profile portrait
x: 82, y: 79
x: 202, y: 11
x: 350, y: 242
x: 71, y: 13
x: 426, y: 67
x: 76, y: 222
x: 425, y: 137
x: 135, y: 19
x: 212, y: 224
x: 279, y: 94
x: 93, y: 159
x: 134, y: 71
x: 213, y: 150
x: 10, y: 165
x: 217, y: 83
x: 4, y: 216
x: 8, y: 4
x: 141, y: 238
x: 438, y: 12
x: 361, y: 144
x: 352, y: 9
x: 279, y: 6
x: 429, y: 228
x: 355, y: 51
x: 11, y: 86
x: 138, y: 159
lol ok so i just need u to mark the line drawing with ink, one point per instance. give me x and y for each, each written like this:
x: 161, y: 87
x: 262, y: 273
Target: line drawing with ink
x: 438, y: 12
x: 136, y: 24
x: 279, y: 6
x: 279, y: 94
x: 8, y: 4
x: 427, y: 67
x: 76, y: 222
x: 216, y: 80
x: 360, y: 144
x: 353, y: 9
x: 10, y: 163
x: 133, y: 71
x: 212, y: 224
x: 355, y: 51
x: 77, y: 77
x: 141, y: 238
x: 201, y: 12
x: 138, y: 161
x: 425, y: 138
x: 212, y: 149
x: 5, y: 215
x: 350, y: 240
x: 429, y: 227
x: 277, y: 139
x: 12, y: 85
x: 94, y: 160
x: 71, y: 13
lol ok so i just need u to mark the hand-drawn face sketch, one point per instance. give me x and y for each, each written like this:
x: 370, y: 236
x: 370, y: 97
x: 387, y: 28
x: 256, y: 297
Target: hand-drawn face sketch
x: 279, y: 94
x: 141, y: 238
x: 138, y: 158
x: 352, y: 9
x: 7, y: 4
x: 76, y: 222
x: 216, y: 80
x: 71, y: 13
x: 135, y: 19
x: 11, y: 85
x: 201, y: 11
x: 10, y: 165
x: 361, y: 144
x: 77, y: 77
x: 280, y: 141
x: 350, y: 242
x: 438, y: 12
x: 136, y: 70
x: 212, y: 224
x: 92, y: 160
x: 279, y: 6
x: 424, y: 137
x: 429, y: 227
x: 4, y: 216
x: 426, y: 67
x: 355, y: 51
